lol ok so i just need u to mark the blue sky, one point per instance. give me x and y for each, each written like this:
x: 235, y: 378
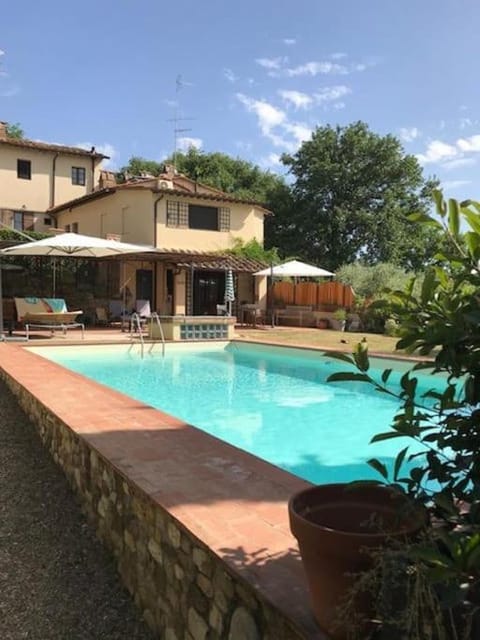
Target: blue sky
x: 258, y: 76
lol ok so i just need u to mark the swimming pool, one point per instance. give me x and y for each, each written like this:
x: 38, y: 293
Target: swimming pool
x: 272, y: 402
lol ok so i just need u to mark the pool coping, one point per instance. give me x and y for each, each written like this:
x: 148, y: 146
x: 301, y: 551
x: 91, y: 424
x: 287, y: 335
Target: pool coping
x: 247, y: 495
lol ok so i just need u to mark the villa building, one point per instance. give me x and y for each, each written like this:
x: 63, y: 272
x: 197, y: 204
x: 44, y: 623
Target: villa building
x: 35, y: 176
x: 191, y: 225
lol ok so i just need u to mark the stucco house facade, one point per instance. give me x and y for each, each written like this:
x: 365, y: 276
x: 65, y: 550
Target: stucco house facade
x: 35, y: 176
x: 191, y: 225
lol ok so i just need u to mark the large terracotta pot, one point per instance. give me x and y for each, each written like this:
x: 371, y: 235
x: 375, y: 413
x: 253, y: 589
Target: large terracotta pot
x: 334, y: 524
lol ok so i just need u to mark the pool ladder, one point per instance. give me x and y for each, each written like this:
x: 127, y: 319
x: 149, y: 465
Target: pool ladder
x: 136, y: 332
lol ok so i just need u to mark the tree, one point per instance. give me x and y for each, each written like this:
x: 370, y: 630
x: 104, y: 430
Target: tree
x: 218, y: 170
x: 15, y: 131
x: 137, y: 166
x: 350, y: 198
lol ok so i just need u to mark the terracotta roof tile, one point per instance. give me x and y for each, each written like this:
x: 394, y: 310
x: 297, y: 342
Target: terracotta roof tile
x: 46, y: 146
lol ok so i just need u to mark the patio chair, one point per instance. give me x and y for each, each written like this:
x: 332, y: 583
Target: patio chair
x: 142, y: 312
x: 46, y: 313
x: 102, y: 317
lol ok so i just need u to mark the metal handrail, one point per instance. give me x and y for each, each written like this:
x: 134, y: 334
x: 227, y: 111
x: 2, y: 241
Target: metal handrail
x: 136, y: 331
x: 155, y: 317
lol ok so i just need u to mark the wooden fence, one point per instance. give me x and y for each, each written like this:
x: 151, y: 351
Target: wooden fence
x: 315, y: 294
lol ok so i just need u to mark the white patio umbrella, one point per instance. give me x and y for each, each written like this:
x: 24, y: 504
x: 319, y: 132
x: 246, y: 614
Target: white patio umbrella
x: 74, y: 245
x: 229, y: 291
x: 294, y: 269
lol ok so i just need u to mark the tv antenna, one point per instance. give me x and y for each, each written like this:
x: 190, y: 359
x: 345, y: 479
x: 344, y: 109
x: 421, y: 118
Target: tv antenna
x: 179, y: 84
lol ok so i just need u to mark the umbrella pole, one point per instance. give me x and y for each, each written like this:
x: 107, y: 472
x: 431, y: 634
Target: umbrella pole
x: 54, y: 277
x: 2, y: 334
x: 272, y: 312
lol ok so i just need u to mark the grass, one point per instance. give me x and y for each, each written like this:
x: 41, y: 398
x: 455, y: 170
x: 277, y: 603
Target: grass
x: 320, y: 338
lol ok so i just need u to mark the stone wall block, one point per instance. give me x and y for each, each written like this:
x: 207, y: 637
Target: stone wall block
x: 243, y: 626
x: 197, y: 626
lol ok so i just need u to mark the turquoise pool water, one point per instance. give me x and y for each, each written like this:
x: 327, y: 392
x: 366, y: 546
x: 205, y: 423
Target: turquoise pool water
x: 274, y: 403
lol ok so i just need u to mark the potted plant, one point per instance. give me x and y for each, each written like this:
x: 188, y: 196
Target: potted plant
x: 335, y: 526
x: 436, y: 592
x: 339, y: 319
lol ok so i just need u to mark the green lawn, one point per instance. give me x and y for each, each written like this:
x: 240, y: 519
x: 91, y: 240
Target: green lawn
x: 320, y: 338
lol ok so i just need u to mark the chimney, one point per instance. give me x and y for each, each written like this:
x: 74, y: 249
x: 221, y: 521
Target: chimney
x: 169, y: 171
x: 106, y: 179
x: 3, y: 130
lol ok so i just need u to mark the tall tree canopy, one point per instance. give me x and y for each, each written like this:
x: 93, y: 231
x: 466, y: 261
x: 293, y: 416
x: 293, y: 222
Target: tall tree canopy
x: 351, y: 193
x: 15, y: 131
x: 231, y: 175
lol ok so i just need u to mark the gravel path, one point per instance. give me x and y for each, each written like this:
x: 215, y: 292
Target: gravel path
x: 56, y: 581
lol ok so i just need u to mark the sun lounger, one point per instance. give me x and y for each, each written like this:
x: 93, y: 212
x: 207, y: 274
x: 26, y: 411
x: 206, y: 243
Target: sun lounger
x: 46, y: 313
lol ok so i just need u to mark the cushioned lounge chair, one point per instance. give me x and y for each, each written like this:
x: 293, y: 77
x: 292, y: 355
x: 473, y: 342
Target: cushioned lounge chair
x: 46, y: 313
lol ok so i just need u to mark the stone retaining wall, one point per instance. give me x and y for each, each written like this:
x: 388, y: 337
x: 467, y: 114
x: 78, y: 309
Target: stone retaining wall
x: 185, y: 591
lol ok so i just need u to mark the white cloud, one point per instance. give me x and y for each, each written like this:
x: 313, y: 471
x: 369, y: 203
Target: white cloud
x: 298, y: 130
x: 229, y: 75
x: 271, y: 63
x: 451, y: 156
x: 331, y: 94
x: 315, y: 68
x: 442, y: 125
x: 469, y: 144
x: 409, y: 134
x: 268, y: 116
x: 170, y: 103
x: 455, y: 184
x: 339, y: 105
x: 339, y: 55
x: 274, y: 124
x: 184, y: 144
x: 296, y: 98
x: 270, y: 160
x: 458, y: 162
x: 106, y: 149
x: 465, y: 122
x: 323, y: 96
x: 437, y: 151
x: 2, y: 52
x: 289, y: 41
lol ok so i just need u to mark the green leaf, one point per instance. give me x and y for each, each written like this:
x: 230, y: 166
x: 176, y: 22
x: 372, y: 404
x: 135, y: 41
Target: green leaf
x: 453, y: 217
x: 428, y: 286
x: 379, y: 467
x: 387, y: 435
x: 440, y: 205
x: 472, y: 218
x: 398, y: 463
x: 385, y: 375
x: 338, y: 355
x: 345, y: 376
x: 423, y: 218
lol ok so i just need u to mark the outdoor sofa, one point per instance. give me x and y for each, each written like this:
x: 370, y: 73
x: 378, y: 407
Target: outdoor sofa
x: 46, y: 313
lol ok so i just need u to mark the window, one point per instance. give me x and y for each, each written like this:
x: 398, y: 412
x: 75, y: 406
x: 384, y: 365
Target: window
x: 23, y: 221
x: 177, y: 214
x: 18, y: 220
x: 192, y: 216
x: 202, y: 217
x: 74, y: 227
x: 24, y: 169
x: 67, y: 228
x: 47, y: 222
x: 78, y: 176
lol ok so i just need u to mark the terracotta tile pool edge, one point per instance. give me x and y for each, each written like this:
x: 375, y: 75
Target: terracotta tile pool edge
x: 118, y: 415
